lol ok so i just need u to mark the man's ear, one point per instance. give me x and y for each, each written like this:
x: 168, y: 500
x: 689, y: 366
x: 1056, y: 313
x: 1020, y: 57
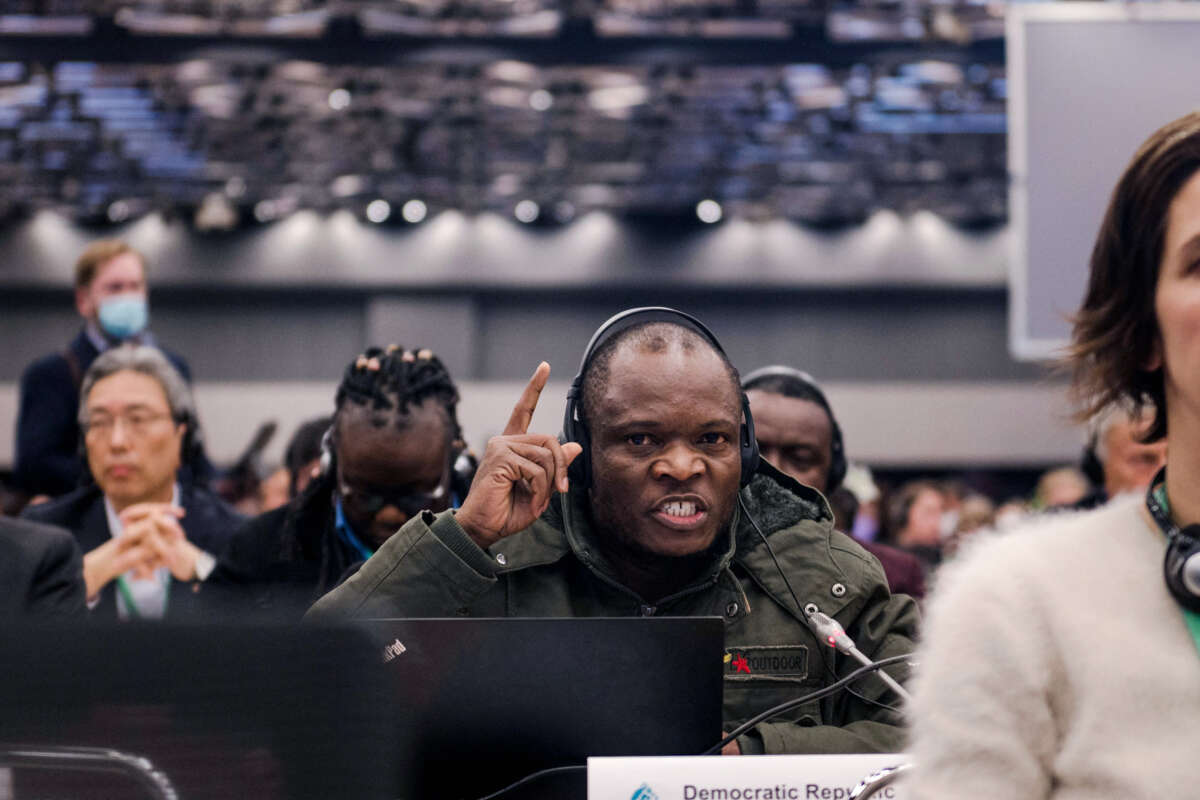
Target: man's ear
x: 83, y: 303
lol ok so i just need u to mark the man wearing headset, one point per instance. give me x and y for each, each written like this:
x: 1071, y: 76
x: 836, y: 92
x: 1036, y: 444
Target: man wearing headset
x: 799, y: 435
x: 668, y: 512
x: 148, y: 536
x: 392, y: 449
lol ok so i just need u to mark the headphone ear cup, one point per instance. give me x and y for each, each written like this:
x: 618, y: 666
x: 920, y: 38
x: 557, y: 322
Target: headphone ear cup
x: 837, y: 463
x: 462, y: 473
x: 748, y: 444
x: 326, y: 462
x: 1181, y: 567
x: 580, y: 470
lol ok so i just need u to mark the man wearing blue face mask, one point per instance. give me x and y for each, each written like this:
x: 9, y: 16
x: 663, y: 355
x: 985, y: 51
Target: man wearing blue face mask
x: 110, y: 295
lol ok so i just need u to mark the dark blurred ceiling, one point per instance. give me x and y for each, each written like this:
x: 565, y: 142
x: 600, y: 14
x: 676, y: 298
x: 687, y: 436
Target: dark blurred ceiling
x: 228, y: 113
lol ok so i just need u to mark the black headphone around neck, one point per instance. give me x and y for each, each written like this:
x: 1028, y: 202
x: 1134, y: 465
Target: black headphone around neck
x: 1181, y: 564
x: 837, y: 461
x: 575, y: 429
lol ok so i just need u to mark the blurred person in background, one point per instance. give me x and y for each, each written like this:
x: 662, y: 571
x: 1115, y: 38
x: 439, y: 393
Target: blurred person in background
x: 111, y: 297
x: 913, y: 521
x: 301, y: 463
x: 145, y: 533
x: 1126, y: 461
x: 393, y: 449
x: 977, y: 513
x: 861, y: 483
x: 302, y: 459
x: 41, y: 572
x: 1061, y: 486
x: 1062, y: 660
x: 799, y: 435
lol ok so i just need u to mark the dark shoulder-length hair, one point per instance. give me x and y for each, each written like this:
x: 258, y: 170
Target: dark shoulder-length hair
x: 1116, y: 331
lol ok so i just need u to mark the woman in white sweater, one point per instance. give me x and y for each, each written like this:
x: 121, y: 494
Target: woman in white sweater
x: 1056, y: 662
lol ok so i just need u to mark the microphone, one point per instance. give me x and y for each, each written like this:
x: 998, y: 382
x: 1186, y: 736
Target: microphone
x: 835, y: 636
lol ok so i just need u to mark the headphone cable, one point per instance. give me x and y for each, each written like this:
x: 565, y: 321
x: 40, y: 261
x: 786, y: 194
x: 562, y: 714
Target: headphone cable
x: 807, y: 622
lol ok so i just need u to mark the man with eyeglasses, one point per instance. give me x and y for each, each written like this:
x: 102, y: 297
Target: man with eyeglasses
x: 393, y: 450
x: 148, y: 538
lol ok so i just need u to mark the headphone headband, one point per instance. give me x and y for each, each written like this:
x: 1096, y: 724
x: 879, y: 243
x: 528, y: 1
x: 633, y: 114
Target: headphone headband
x: 837, y: 462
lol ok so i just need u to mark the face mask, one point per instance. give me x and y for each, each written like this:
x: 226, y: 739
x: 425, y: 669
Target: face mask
x: 124, y: 315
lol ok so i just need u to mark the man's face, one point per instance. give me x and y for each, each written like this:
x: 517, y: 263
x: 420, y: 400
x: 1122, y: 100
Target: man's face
x: 794, y: 435
x: 123, y: 274
x: 665, y: 455
x: 1129, y: 465
x: 387, y: 474
x: 132, y: 441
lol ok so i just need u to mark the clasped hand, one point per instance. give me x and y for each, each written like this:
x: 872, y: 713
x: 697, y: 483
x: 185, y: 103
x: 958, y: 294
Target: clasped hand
x: 518, y: 474
x: 151, y: 538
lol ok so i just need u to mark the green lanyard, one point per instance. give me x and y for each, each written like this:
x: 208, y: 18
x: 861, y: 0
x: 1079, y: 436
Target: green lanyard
x: 1156, y: 503
x: 135, y: 612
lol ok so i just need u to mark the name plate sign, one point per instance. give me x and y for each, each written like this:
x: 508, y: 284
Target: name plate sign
x: 738, y: 777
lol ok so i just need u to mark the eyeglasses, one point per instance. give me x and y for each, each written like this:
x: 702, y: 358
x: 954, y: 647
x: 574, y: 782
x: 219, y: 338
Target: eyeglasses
x: 137, y: 423
x: 371, y: 503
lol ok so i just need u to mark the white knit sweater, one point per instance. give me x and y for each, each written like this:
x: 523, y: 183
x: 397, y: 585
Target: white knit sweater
x: 1055, y: 664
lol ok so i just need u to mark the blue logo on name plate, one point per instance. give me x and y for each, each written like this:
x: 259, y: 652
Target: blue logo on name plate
x: 644, y: 792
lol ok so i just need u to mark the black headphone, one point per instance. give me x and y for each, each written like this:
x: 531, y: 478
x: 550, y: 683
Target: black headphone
x: 837, y: 461
x: 1181, y: 564
x: 463, y: 463
x: 575, y: 430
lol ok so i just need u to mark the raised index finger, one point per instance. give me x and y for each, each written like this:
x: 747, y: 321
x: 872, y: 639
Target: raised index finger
x: 522, y: 413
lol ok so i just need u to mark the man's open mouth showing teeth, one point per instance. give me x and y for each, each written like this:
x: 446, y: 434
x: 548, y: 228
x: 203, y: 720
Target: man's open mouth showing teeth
x: 678, y: 509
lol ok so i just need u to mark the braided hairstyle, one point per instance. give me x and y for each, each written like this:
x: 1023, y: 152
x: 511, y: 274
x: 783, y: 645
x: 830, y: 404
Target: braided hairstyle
x: 391, y: 379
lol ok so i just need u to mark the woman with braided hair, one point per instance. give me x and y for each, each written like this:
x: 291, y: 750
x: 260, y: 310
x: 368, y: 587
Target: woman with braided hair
x: 390, y: 453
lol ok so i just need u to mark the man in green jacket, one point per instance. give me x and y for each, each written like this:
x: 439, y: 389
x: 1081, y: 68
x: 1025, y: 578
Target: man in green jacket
x: 664, y: 519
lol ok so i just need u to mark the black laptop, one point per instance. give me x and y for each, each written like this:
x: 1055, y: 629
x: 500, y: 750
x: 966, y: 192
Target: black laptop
x: 481, y: 703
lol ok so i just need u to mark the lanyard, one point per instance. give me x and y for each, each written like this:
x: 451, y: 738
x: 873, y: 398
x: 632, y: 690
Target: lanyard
x: 1156, y: 504
x: 346, y: 533
x: 127, y: 596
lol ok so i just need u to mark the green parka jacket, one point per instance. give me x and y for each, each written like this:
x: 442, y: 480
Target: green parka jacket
x: 432, y: 568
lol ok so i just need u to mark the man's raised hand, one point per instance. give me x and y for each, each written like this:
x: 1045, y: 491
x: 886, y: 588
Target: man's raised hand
x: 518, y: 474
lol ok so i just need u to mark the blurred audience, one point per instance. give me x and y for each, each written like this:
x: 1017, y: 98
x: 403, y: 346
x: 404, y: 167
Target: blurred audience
x: 913, y: 521
x: 302, y: 458
x: 1127, y: 462
x: 145, y: 533
x: 1062, y: 486
x: 301, y: 464
x: 798, y: 434
x: 41, y: 571
x: 393, y: 450
x: 861, y: 483
x: 110, y: 296
x: 976, y: 513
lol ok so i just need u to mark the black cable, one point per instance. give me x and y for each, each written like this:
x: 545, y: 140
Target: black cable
x: 824, y: 662
x: 533, y: 776
x: 808, y: 698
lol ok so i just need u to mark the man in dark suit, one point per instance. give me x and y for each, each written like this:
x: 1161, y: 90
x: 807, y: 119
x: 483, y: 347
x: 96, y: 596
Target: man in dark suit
x: 146, y: 535
x: 41, y: 571
x: 798, y: 434
x: 110, y: 295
